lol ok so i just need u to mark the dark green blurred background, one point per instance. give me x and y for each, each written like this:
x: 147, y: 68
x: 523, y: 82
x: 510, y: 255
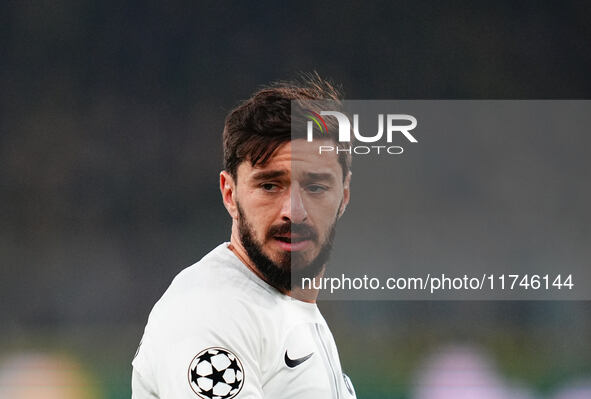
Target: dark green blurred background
x: 110, y: 147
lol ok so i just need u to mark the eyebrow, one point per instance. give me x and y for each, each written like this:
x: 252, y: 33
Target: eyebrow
x: 319, y: 176
x: 269, y: 174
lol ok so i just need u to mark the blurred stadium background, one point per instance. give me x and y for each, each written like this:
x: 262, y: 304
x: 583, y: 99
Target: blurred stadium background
x: 110, y: 122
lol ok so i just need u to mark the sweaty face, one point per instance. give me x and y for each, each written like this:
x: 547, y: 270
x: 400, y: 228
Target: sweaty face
x: 287, y: 212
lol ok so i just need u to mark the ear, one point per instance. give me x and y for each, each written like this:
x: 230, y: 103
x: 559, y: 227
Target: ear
x: 228, y: 191
x: 346, y: 194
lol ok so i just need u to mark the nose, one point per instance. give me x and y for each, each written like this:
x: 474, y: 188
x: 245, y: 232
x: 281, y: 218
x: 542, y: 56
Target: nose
x: 293, y: 208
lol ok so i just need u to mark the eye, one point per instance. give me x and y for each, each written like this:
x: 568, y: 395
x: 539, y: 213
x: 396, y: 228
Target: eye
x: 270, y: 187
x: 316, y: 188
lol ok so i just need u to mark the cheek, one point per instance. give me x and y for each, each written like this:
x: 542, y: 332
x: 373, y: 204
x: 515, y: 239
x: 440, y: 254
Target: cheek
x: 259, y: 222
x: 324, y: 211
x: 263, y: 210
x: 258, y: 201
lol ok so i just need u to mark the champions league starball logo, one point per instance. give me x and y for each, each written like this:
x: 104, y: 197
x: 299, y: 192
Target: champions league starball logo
x: 391, y: 124
x: 216, y: 373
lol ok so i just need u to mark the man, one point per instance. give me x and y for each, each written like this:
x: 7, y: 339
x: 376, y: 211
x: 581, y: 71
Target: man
x: 238, y: 323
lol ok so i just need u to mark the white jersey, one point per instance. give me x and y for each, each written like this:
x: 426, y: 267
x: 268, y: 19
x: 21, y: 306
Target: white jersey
x: 220, y: 332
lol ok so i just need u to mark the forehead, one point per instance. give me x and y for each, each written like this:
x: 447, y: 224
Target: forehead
x: 298, y: 157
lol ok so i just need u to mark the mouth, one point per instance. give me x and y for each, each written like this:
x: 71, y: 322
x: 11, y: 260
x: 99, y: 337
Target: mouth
x: 293, y: 242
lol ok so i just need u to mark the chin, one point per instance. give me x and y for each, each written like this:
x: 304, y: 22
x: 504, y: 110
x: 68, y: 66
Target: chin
x: 300, y: 261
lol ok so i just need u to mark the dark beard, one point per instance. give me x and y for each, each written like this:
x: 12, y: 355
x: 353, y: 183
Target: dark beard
x: 281, y: 275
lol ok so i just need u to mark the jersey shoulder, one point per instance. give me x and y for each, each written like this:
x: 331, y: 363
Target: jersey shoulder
x: 211, y: 307
x: 218, y: 292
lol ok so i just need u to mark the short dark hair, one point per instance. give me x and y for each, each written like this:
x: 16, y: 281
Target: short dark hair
x: 262, y: 123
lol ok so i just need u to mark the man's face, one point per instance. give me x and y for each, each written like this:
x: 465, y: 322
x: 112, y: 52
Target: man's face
x: 287, y: 211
